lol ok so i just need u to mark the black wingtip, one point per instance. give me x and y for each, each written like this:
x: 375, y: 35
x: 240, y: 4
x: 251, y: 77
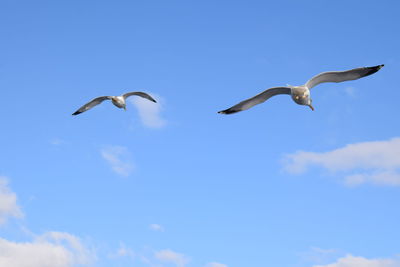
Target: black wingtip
x: 227, y: 111
x: 76, y: 113
x: 374, y: 69
x: 150, y: 98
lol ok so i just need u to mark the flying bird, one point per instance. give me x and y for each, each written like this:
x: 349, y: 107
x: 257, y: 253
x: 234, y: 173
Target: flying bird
x: 301, y: 94
x: 118, y: 101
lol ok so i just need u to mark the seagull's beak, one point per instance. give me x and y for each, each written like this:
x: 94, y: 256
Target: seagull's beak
x: 312, y: 108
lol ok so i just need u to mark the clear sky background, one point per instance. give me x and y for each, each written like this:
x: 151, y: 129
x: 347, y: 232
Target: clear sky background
x: 175, y: 183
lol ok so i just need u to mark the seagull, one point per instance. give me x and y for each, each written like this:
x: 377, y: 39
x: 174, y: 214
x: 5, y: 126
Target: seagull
x: 118, y: 101
x: 301, y: 94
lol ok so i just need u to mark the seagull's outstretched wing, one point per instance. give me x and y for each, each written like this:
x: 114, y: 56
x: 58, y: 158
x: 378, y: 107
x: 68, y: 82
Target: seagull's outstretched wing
x: 341, y: 76
x: 91, y: 104
x: 144, y: 95
x: 258, y: 99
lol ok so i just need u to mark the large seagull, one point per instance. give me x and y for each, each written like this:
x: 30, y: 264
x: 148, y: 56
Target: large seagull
x: 118, y: 101
x: 301, y: 94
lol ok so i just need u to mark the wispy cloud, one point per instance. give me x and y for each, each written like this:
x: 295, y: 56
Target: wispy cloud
x: 57, y: 141
x: 353, y: 261
x: 156, y: 227
x: 119, y: 159
x: 150, y: 257
x: 150, y: 112
x: 8, y: 202
x: 52, y: 249
x: 317, y: 255
x: 350, y: 91
x: 173, y: 257
x: 375, y: 162
x: 216, y: 264
x: 123, y: 251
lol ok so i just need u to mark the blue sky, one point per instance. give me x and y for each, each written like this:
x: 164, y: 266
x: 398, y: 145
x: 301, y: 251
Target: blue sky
x: 175, y: 183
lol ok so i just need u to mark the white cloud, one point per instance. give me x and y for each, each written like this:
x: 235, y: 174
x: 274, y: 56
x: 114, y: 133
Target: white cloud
x: 216, y: 264
x: 352, y: 261
x: 8, y: 202
x: 156, y: 227
x: 375, y: 162
x: 119, y: 158
x: 388, y: 177
x: 173, y: 257
x: 53, y: 249
x: 149, y: 112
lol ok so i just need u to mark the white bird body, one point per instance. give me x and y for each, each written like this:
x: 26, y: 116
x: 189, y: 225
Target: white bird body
x: 301, y: 94
x: 118, y: 101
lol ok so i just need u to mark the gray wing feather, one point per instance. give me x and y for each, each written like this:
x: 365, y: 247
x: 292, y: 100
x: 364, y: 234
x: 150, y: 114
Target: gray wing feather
x: 341, y: 76
x: 142, y: 94
x: 91, y: 104
x: 258, y: 99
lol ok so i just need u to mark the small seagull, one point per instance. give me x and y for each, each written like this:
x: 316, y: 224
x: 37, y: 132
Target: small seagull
x: 118, y: 101
x: 301, y: 94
